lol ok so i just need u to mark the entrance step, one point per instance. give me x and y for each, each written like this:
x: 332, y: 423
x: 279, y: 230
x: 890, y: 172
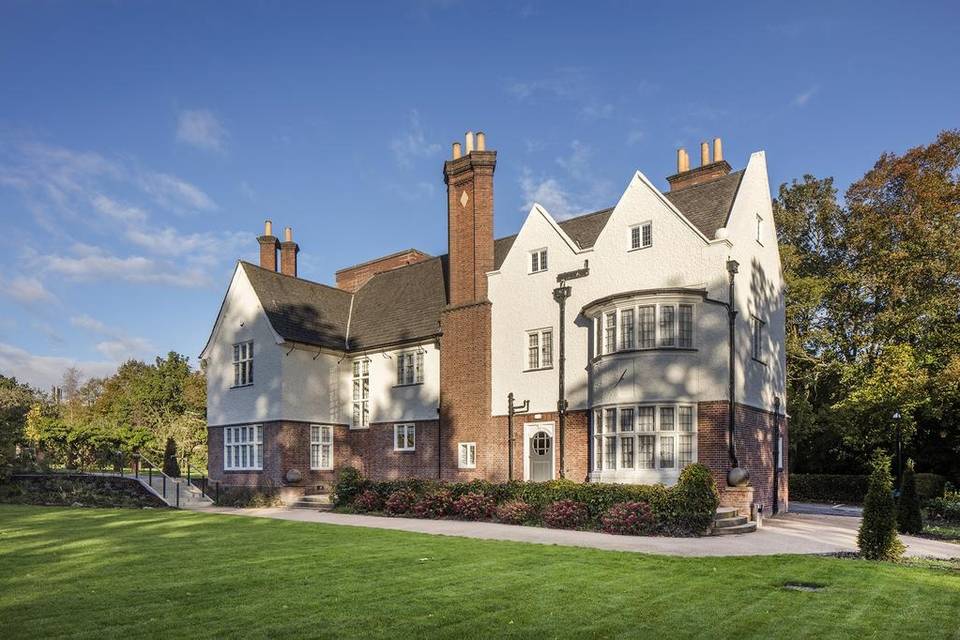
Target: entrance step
x: 318, y: 501
x: 724, y: 523
x: 728, y: 521
x: 749, y: 527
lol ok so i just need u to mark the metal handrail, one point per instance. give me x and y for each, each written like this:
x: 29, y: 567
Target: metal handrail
x: 151, y: 467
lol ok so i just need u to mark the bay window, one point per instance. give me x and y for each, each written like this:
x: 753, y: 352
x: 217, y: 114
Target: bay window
x: 644, y: 437
x: 645, y: 326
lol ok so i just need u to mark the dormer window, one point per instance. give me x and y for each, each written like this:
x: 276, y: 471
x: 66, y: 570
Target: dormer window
x: 641, y: 236
x: 538, y: 261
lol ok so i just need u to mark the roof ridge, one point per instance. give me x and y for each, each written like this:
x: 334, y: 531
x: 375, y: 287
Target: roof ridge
x: 706, y: 183
x: 389, y: 255
x: 297, y: 278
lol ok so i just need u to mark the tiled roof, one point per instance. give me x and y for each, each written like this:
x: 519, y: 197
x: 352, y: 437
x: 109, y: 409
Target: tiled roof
x: 405, y: 304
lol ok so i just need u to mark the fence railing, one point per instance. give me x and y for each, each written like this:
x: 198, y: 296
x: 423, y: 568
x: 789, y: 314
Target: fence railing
x: 199, y: 482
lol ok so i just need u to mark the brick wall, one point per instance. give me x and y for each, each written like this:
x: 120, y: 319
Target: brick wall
x: 352, y: 278
x: 754, y: 440
x: 470, y: 224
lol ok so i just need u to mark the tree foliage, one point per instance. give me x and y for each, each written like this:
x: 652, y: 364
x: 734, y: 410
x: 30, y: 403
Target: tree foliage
x: 909, y: 518
x: 877, y: 538
x: 873, y: 302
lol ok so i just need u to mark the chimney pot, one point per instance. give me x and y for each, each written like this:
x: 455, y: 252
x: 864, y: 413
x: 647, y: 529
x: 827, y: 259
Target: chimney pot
x: 288, y: 235
x: 704, y: 154
x: 457, y: 152
x: 469, y: 137
x: 717, y: 150
x: 680, y: 160
x: 481, y: 141
x: 267, y: 228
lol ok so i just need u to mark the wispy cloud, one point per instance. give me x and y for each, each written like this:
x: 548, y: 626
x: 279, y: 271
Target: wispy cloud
x: 412, y: 143
x: 85, y: 263
x: 580, y: 190
x: 200, y: 128
x: 802, y: 99
x: 635, y: 136
x: 45, y: 371
x: 176, y: 194
x: 27, y: 290
x: 118, y: 346
x: 120, y: 212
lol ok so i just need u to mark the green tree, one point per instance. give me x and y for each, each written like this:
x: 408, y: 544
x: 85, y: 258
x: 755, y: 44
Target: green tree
x: 909, y: 518
x: 877, y: 538
x: 15, y: 402
x: 170, y: 465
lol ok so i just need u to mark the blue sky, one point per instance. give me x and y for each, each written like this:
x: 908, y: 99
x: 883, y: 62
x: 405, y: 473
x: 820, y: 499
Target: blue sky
x: 142, y: 144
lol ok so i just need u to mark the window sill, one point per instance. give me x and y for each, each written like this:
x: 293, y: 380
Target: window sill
x: 408, y: 384
x: 404, y: 450
x: 632, y: 249
x: 243, y: 470
x: 763, y: 362
x: 241, y: 386
x: 366, y: 428
x: 321, y: 468
x: 538, y: 369
x: 473, y: 467
x: 533, y: 273
x: 648, y: 350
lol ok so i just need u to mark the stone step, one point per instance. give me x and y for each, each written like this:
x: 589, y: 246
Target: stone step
x: 749, y: 527
x: 722, y: 523
x: 317, y: 498
x: 726, y: 512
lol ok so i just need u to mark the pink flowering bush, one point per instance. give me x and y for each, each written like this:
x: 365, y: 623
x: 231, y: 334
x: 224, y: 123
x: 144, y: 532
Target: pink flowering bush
x: 629, y: 519
x: 434, y: 505
x: 566, y: 514
x: 400, y: 502
x: 515, y: 512
x: 474, y: 506
x: 367, y: 501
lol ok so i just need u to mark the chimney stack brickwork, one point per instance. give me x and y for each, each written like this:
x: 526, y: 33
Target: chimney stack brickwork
x: 707, y: 171
x: 269, y: 245
x: 465, y: 345
x: 288, y: 254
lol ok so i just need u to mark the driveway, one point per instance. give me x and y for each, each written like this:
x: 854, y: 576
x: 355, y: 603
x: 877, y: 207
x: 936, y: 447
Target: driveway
x: 826, y: 509
x: 786, y: 534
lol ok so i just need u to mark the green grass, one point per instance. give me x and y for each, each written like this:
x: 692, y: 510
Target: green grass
x: 158, y: 573
x: 942, y: 531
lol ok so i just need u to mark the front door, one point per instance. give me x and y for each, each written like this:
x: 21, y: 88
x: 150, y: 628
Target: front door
x: 541, y: 457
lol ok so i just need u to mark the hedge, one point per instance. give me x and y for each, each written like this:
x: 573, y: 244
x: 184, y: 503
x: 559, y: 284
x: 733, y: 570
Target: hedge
x: 930, y: 485
x: 684, y: 509
x: 822, y: 487
x: 69, y: 489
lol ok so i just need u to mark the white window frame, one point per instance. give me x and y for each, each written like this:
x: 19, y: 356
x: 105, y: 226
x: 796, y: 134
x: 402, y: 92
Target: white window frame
x: 403, y: 436
x: 603, y: 326
x: 466, y: 455
x: 538, y: 261
x: 243, y: 448
x: 644, y: 231
x: 759, y: 229
x: 321, y: 442
x: 544, y: 354
x: 242, y: 364
x: 360, y: 402
x: 757, y: 339
x: 409, y: 368
x: 604, y: 436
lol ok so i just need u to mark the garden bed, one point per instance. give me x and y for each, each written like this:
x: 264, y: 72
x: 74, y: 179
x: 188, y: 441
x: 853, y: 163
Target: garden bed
x: 684, y: 509
x: 75, y: 489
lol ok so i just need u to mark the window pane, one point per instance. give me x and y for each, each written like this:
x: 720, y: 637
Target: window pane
x: 547, y: 349
x: 326, y: 456
x: 648, y: 335
x: 685, y: 416
x: 533, y: 351
x: 685, y: 450
x: 626, y: 329
x: 611, y: 453
x: 534, y: 261
x: 598, y: 453
x: 419, y: 371
x: 411, y: 437
x: 667, y: 337
x: 635, y: 238
x: 647, y: 235
x: 314, y: 435
x: 666, y: 452
x: 686, y: 326
x: 667, y: 419
x: 645, y: 458
x: 610, y: 421
x: 610, y: 335
x: 543, y: 260
x: 626, y: 419
x: 645, y: 419
x: 626, y: 453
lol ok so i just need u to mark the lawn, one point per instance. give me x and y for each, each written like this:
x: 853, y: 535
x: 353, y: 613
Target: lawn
x: 100, y: 573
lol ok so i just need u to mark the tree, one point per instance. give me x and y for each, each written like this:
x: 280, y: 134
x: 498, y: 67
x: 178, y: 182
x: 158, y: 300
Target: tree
x: 878, y: 539
x: 15, y: 402
x: 909, y: 519
x: 170, y: 465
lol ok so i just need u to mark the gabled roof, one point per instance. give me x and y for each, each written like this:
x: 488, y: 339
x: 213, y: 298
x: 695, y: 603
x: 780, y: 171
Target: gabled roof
x: 405, y: 304
x: 707, y: 205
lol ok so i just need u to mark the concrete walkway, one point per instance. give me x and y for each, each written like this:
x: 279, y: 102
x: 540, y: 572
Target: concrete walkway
x: 785, y: 534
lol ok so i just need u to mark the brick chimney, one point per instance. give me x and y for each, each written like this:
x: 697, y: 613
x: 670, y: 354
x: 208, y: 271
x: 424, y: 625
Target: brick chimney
x: 469, y: 179
x: 465, y: 325
x: 288, y: 254
x: 268, y: 247
x: 707, y: 171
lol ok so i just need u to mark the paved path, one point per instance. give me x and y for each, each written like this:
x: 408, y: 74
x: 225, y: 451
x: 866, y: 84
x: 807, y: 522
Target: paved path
x: 825, y: 509
x: 785, y: 534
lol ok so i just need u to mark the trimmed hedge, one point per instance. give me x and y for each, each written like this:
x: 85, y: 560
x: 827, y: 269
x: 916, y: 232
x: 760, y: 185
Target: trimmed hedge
x: 946, y: 509
x: 244, y: 497
x: 823, y: 487
x: 930, y: 485
x: 684, y: 509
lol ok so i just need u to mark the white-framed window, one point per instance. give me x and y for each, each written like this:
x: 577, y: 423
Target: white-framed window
x: 404, y: 437
x: 538, y: 260
x: 645, y: 326
x: 539, y: 349
x: 467, y: 455
x: 757, y: 331
x: 641, y: 236
x: 759, y: 230
x: 361, y: 393
x: 243, y: 364
x: 243, y: 448
x: 410, y: 368
x: 321, y: 446
x: 646, y: 436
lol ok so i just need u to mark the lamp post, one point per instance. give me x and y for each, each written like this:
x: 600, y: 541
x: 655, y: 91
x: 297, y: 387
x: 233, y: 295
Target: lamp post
x: 896, y: 422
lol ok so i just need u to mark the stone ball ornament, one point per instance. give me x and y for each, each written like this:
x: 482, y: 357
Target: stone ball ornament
x: 294, y: 475
x: 738, y: 477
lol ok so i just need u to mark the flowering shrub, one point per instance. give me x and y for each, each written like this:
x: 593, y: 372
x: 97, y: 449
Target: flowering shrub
x: 474, y: 506
x: 515, y: 512
x: 400, y: 502
x: 628, y: 519
x: 434, y: 505
x: 368, y: 501
x: 566, y: 514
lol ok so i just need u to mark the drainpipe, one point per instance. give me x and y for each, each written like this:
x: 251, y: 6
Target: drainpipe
x: 737, y: 476
x: 560, y: 294
x: 776, y: 455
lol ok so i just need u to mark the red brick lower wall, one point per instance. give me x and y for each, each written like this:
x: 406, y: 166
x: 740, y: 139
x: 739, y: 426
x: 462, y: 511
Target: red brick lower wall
x: 754, y: 444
